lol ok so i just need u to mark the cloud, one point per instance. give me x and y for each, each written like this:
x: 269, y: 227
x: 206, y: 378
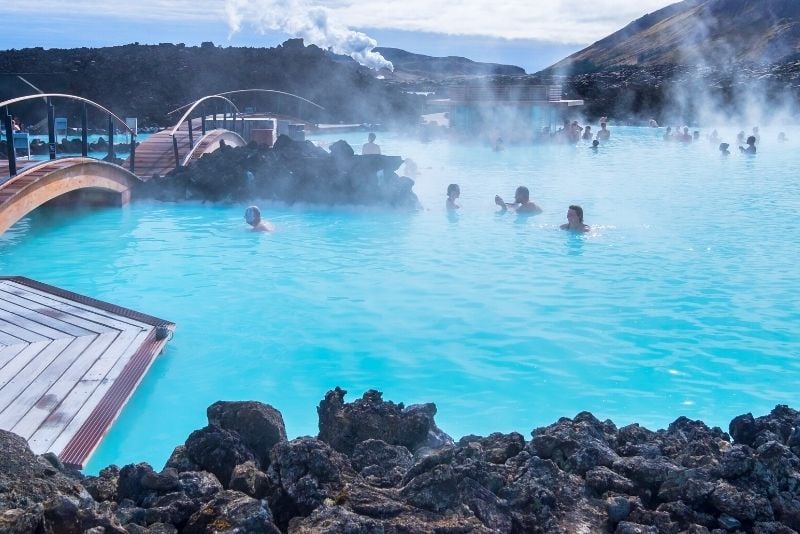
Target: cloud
x: 314, y: 23
x: 560, y: 21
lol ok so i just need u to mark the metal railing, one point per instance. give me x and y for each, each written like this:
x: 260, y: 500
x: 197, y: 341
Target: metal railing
x: 186, y: 118
x: 51, y: 131
x: 262, y: 91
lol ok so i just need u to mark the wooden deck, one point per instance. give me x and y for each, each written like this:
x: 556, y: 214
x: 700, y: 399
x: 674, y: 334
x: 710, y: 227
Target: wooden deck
x: 68, y: 365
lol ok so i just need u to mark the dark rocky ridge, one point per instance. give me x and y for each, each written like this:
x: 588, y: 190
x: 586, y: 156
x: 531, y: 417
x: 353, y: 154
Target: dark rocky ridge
x: 290, y: 171
x: 409, y: 66
x: 147, y: 81
x: 697, y: 32
x: 377, y: 466
x: 673, y: 92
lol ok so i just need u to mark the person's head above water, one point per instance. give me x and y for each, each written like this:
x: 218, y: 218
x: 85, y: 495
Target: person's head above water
x: 573, y: 211
x: 522, y: 195
x: 751, y: 140
x: 371, y: 137
x: 453, y: 191
x: 595, y: 143
x: 252, y: 216
x: 723, y: 147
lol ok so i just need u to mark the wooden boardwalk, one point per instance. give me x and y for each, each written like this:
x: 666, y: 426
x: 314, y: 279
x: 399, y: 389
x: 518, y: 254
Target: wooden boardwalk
x: 68, y: 365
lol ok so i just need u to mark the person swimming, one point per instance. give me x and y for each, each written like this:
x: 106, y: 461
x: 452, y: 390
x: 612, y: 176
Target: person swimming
x: 453, y: 192
x: 575, y: 220
x: 751, y: 146
x: 252, y: 216
x: 522, y: 202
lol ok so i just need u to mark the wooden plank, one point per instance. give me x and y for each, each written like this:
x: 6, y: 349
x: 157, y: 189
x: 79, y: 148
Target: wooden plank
x: 27, y: 386
x: 41, y: 352
x: 92, y: 402
x: 100, y: 375
x: 8, y: 339
x: 9, y: 352
x: 112, y: 319
x: 8, y: 319
x: 21, y: 333
x: 37, y: 317
x: 52, y: 397
x: 62, y: 314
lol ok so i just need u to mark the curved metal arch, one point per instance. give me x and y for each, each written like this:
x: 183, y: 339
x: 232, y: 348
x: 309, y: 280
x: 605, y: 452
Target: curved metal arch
x: 232, y: 136
x: 69, y: 97
x: 256, y: 91
x: 194, y: 105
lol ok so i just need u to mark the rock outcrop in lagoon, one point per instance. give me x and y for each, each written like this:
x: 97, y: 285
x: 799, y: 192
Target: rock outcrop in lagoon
x: 377, y: 466
x: 290, y: 171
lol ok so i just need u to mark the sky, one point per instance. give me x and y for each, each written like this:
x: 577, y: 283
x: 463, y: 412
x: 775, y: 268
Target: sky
x: 518, y: 32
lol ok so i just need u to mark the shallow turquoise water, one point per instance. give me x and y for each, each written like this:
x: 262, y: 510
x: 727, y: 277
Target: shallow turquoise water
x: 682, y: 301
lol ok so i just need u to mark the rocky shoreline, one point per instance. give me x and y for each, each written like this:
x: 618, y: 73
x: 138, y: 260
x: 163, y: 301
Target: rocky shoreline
x: 289, y: 171
x: 377, y: 466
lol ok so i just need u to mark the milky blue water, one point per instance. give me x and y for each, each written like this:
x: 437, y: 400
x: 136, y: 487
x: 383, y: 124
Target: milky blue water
x: 681, y: 301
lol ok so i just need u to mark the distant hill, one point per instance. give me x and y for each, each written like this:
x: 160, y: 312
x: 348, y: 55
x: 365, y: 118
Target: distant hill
x: 698, y: 32
x: 147, y: 81
x: 408, y: 66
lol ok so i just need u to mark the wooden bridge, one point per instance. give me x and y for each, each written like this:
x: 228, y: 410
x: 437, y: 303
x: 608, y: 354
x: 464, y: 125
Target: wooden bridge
x: 24, y: 186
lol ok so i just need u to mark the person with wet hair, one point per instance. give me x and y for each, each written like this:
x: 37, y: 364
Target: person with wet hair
x: 453, y: 192
x: 723, y: 148
x: 522, y: 202
x: 575, y: 220
x: 751, y: 146
x: 370, y: 147
x: 252, y: 216
x: 604, y: 134
x: 595, y: 145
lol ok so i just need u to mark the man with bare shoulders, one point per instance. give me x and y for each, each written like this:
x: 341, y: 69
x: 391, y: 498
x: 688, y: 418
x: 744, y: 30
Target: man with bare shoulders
x: 252, y: 216
x: 575, y: 220
x: 522, y: 202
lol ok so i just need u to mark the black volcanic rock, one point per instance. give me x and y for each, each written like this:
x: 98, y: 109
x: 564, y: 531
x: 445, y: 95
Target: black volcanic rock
x: 345, y: 425
x: 291, y: 171
x: 688, y: 478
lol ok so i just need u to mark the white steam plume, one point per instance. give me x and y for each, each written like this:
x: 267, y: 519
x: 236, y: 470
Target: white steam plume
x: 314, y: 24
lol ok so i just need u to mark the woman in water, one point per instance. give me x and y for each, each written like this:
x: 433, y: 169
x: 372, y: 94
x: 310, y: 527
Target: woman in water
x: 575, y: 220
x: 751, y: 146
x: 453, y: 192
x: 252, y: 216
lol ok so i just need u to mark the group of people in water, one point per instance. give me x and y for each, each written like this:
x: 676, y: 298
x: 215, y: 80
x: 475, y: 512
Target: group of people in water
x: 747, y: 144
x: 523, y: 205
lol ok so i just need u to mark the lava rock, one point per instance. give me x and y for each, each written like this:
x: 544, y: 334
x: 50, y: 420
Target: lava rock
x: 343, y: 426
x: 259, y: 425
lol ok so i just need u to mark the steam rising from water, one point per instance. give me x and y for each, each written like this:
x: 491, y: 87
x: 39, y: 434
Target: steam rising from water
x: 310, y: 22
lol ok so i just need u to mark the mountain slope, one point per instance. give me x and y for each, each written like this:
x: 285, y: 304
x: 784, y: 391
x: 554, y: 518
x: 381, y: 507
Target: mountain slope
x: 698, y: 32
x: 428, y: 67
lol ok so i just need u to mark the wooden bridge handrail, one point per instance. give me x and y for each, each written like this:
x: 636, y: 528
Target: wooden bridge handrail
x: 255, y: 91
x: 194, y: 105
x: 70, y: 97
